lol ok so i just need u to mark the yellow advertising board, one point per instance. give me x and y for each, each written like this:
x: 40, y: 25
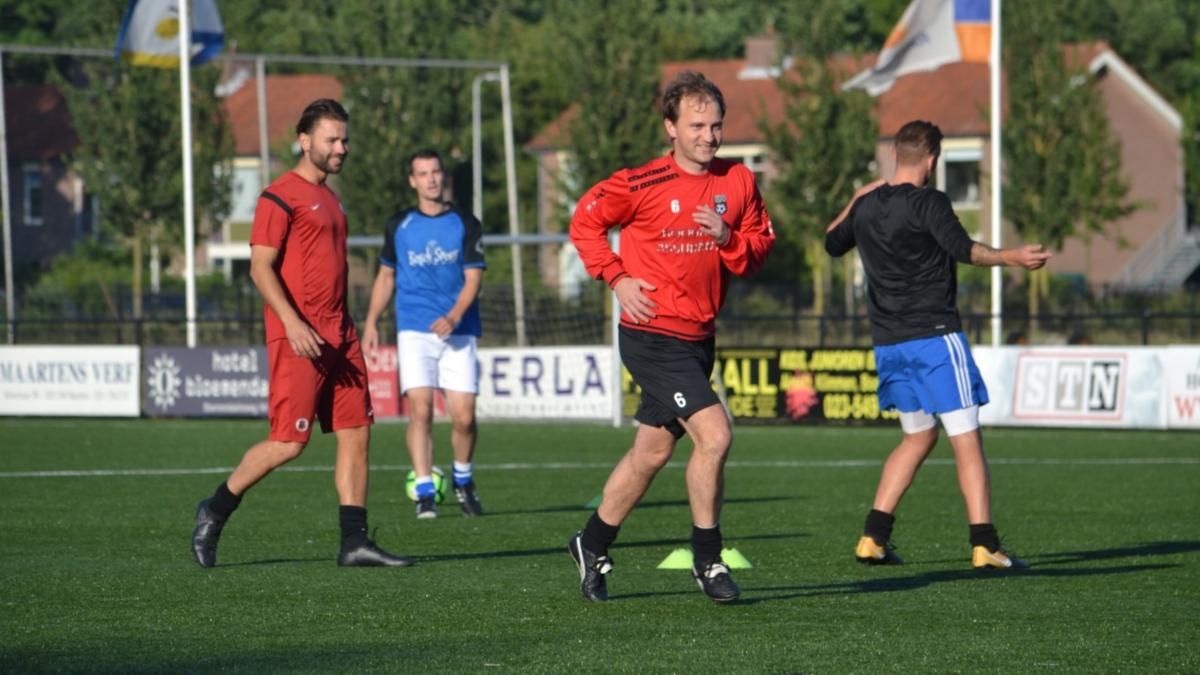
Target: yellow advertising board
x: 797, y: 386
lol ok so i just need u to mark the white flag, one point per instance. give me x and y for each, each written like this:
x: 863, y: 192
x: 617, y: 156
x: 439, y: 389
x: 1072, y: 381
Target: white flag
x: 930, y: 34
x: 150, y: 33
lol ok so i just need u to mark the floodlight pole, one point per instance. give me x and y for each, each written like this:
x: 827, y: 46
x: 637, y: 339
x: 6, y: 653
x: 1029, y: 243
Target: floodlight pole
x: 264, y: 154
x: 514, y: 226
x: 477, y: 142
x: 9, y: 290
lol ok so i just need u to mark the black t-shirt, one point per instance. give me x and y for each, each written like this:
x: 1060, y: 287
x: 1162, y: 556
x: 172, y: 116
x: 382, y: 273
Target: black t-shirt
x: 910, y: 242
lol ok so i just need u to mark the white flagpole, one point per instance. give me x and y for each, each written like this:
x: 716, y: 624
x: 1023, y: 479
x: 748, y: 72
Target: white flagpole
x: 189, y: 226
x: 10, y: 291
x: 994, y: 62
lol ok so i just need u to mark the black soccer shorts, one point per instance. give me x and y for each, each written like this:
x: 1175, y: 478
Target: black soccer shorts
x: 673, y: 374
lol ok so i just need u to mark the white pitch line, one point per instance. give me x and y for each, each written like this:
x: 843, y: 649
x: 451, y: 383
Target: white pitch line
x: 527, y: 466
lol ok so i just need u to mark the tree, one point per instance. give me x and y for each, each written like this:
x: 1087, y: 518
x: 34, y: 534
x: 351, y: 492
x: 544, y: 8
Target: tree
x: 1062, y: 162
x: 394, y: 111
x: 1161, y: 40
x: 397, y: 111
x: 130, y: 159
x: 822, y: 149
x: 616, y: 75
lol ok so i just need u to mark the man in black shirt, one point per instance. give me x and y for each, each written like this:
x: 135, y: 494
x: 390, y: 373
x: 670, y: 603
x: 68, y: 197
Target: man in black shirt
x: 910, y: 243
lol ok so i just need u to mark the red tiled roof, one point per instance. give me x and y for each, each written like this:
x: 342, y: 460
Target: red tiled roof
x: 955, y: 97
x: 287, y: 96
x: 38, y: 121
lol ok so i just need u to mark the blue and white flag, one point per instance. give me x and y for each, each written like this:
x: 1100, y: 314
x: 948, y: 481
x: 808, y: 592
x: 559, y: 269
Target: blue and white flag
x: 150, y: 33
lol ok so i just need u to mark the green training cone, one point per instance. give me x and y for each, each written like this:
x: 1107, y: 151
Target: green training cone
x: 735, y: 559
x: 681, y: 559
x: 594, y: 504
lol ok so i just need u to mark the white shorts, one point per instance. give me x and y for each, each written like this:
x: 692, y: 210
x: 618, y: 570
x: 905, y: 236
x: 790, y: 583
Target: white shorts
x: 956, y: 422
x: 425, y: 360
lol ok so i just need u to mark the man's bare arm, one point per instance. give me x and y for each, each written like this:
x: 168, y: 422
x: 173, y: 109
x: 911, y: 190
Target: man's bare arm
x: 472, y: 282
x: 1029, y: 256
x: 381, y: 293
x: 304, y: 340
x: 850, y: 204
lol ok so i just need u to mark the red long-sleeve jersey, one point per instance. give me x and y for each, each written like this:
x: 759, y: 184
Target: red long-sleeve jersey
x: 661, y: 244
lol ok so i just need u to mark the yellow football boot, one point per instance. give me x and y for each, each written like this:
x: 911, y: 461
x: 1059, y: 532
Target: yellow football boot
x: 982, y: 558
x: 869, y: 553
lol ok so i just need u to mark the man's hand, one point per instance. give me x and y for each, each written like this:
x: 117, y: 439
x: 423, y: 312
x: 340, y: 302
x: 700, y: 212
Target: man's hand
x: 443, y: 327
x: 304, y: 340
x: 370, y: 338
x: 1029, y: 256
x: 711, y: 224
x: 850, y: 204
x: 633, y: 301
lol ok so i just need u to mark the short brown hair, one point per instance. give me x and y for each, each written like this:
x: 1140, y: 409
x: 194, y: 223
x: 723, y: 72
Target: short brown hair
x: 689, y: 83
x: 423, y: 153
x: 320, y: 109
x: 917, y: 140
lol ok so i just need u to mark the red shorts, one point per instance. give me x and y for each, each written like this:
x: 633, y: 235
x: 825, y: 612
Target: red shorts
x: 332, y: 388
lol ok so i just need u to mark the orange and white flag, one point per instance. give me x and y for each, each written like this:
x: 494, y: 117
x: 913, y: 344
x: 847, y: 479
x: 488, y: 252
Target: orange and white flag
x: 930, y: 34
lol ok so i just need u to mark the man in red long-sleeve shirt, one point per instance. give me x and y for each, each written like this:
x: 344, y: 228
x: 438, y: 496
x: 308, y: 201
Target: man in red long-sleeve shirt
x: 688, y: 220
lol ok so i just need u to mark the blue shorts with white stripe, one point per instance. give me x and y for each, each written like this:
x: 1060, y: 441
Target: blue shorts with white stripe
x: 935, y: 374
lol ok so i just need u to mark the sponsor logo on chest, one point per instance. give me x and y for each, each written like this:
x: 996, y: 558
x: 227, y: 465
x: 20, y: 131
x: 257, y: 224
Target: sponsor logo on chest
x: 433, y: 254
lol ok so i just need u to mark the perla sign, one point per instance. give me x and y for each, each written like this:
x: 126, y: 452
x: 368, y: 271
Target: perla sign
x: 206, y: 382
x: 546, y: 383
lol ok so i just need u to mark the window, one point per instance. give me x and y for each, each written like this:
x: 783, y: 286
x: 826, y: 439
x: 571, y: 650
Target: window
x: 756, y: 163
x: 32, y: 185
x: 962, y: 182
x: 246, y: 188
x: 958, y: 175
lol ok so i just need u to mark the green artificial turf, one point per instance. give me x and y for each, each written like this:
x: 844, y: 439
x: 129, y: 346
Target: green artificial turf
x: 96, y: 573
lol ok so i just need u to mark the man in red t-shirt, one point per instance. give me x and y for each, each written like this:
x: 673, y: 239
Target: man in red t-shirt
x: 688, y: 221
x: 298, y: 263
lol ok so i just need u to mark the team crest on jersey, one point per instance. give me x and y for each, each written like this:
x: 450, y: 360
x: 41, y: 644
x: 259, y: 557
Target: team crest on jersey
x: 721, y: 206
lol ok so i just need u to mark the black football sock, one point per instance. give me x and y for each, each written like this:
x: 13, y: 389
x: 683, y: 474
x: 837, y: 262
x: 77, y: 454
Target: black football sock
x: 879, y: 526
x: 599, y: 535
x: 984, y: 534
x: 223, y: 502
x: 706, y: 545
x: 353, y: 520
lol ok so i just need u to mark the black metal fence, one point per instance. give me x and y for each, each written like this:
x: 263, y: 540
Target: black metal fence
x: 754, y: 315
x: 547, y: 326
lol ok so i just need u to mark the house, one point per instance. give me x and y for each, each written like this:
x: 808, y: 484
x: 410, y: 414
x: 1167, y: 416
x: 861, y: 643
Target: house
x: 1161, y: 251
x: 49, y: 209
x: 286, y: 98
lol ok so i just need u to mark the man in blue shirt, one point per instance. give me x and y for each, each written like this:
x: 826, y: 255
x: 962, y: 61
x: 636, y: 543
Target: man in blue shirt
x: 432, y: 260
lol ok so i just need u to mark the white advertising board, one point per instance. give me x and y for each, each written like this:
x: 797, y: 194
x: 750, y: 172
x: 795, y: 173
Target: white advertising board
x: 1182, y: 366
x: 545, y: 383
x: 70, y: 381
x: 1074, y: 386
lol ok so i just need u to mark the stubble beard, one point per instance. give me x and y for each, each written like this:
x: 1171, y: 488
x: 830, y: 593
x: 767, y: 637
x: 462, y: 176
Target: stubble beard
x: 322, y: 163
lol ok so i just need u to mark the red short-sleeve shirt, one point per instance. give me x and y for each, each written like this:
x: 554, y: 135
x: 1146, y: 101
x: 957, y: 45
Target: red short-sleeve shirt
x: 305, y: 222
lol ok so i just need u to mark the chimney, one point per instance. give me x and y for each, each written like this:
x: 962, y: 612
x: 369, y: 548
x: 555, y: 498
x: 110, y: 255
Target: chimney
x: 762, y: 51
